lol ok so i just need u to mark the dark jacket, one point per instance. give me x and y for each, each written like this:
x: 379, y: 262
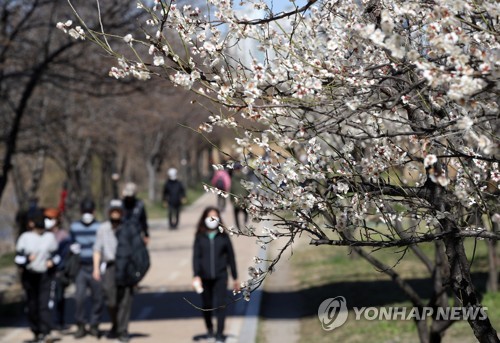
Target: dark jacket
x: 173, y: 192
x: 124, y: 234
x: 134, y: 212
x: 212, y: 257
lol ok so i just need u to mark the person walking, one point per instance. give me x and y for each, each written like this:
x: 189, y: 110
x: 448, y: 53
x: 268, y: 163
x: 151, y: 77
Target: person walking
x: 36, y: 255
x: 59, y: 280
x: 222, y: 181
x: 174, y: 196
x: 238, y: 192
x: 212, y: 256
x: 118, y: 299
x: 83, y: 235
x: 134, y: 210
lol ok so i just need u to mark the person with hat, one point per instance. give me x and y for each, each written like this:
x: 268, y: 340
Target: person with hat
x: 174, y: 196
x: 238, y: 194
x: 134, y: 210
x: 36, y: 255
x: 83, y: 235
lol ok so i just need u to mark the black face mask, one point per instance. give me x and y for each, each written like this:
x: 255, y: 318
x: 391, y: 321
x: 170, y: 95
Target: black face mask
x: 115, y: 222
x: 129, y: 201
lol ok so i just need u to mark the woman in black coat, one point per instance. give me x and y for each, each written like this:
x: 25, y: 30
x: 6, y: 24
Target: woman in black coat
x: 213, y: 254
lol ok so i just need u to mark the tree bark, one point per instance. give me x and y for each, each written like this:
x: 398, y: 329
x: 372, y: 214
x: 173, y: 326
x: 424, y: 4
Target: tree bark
x: 440, y: 296
x: 464, y: 289
x: 152, y: 165
x: 492, y: 284
x: 493, y: 262
x: 11, y: 142
x: 460, y: 276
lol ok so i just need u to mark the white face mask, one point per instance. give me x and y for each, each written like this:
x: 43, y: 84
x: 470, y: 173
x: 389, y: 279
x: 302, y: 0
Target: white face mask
x: 87, y: 218
x: 212, y: 223
x: 49, y: 223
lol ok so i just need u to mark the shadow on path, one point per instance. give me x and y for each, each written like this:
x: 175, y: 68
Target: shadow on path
x: 146, y: 306
x: 305, y: 302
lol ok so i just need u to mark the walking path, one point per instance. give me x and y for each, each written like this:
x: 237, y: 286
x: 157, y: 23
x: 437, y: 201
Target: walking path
x: 162, y: 311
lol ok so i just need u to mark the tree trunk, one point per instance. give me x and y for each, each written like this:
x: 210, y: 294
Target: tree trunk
x: 152, y: 164
x: 460, y: 277
x: 492, y: 283
x: 423, y: 331
x: 493, y: 263
x: 463, y: 287
x: 440, y: 297
x: 151, y: 180
x: 37, y: 174
x: 11, y: 142
x: 10, y: 148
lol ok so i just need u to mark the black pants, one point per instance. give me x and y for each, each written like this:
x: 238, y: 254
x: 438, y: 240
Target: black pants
x: 173, y: 216
x: 237, y: 211
x: 59, y: 287
x: 37, y: 287
x: 214, y: 297
x: 84, y: 280
x: 221, y: 203
x: 118, y: 301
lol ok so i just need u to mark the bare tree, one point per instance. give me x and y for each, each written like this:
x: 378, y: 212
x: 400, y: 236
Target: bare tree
x: 380, y: 123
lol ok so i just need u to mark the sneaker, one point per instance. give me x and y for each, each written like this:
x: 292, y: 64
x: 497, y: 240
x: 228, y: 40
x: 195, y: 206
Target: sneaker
x: 112, y: 334
x: 123, y: 337
x: 94, y: 331
x: 62, y: 327
x: 210, y: 336
x: 219, y: 338
x: 35, y: 338
x: 80, y: 332
x: 45, y: 339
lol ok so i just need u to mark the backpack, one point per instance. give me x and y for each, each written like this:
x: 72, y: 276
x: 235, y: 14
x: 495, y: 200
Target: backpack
x: 133, y: 259
x: 219, y: 184
x: 71, y: 268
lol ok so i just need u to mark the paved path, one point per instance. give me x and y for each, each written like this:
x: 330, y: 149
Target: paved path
x: 160, y: 312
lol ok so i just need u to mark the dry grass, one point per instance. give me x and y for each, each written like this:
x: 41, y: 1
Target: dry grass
x: 331, y: 271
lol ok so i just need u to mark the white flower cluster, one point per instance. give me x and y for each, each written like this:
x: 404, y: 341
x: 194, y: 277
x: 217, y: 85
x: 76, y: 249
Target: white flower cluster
x: 347, y: 113
x: 137, y: 70
x: 76, y: 32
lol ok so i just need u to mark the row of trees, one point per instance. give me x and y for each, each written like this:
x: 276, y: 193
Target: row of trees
x: 57, y: 104
x: 379, y: 120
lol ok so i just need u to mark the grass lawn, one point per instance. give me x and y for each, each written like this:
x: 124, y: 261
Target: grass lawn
x: 326, y: 272
x: 7, y: 259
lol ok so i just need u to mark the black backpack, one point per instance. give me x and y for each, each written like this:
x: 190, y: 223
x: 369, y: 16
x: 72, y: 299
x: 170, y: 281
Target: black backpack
x: 132, y: 257
x: 71, y: 268
x: 219, y: 184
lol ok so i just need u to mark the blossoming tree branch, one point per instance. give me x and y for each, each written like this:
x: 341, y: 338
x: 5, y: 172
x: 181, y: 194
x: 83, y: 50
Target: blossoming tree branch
x: 378, y: 119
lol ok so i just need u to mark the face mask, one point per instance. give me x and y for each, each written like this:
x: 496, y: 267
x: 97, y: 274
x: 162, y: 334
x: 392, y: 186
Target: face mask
x: 87, y: 218
x: 128, y: 201
x: 115, y: 222
x: 49, y: 223
x: 212, y: 223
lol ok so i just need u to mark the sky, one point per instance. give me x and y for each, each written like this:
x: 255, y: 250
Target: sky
x: 246, y: 48
x: 279, y: 5
x: 282, y: 5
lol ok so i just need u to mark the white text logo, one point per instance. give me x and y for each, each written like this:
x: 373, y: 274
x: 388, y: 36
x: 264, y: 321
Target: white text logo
x: 333, y: 313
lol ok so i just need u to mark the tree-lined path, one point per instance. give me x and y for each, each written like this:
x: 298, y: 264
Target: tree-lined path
x: 160, y: 313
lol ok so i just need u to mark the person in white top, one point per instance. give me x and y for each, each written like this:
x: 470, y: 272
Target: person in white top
x: 36, y: 255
